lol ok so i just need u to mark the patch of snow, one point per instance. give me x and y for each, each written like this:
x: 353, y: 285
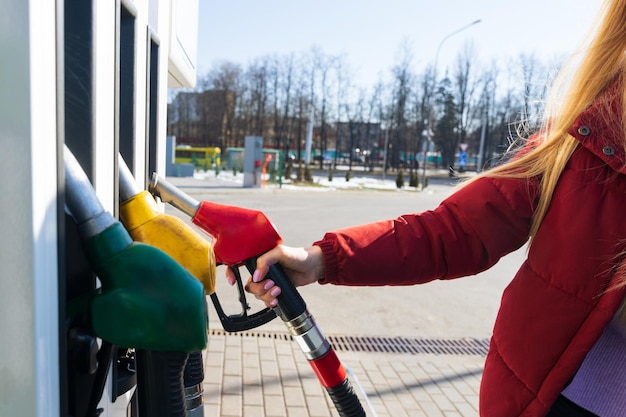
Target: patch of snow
x: 321, y: 183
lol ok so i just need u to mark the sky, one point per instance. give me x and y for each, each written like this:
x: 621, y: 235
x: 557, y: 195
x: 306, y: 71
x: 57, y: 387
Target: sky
x: 370, y: 33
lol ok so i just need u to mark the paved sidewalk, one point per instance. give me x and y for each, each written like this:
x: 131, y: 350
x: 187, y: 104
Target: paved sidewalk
x: 266, y: 375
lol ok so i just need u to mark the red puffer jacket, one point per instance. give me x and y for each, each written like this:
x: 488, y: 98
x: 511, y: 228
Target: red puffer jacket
x: 557, y: 304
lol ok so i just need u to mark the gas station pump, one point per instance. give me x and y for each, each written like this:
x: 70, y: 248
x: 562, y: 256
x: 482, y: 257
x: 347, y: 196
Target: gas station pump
x: 98, y: 324
x: 90, y: 76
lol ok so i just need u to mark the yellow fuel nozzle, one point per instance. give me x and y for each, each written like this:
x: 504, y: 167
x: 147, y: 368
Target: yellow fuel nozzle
x: 145, y: 223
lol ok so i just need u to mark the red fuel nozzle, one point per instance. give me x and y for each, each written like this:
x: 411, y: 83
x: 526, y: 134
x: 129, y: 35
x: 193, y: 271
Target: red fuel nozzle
x: 239, y: 234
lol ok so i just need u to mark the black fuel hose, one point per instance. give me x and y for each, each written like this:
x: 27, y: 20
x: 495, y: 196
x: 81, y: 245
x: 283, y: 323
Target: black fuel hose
x: 160, y: 390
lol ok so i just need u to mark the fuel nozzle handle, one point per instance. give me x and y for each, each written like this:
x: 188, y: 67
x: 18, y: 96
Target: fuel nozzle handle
x: 290, y: 305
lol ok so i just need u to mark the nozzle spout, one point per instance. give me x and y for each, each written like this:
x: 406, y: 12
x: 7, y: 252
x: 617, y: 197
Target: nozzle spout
x: 168, y: 193
x: 128, y: 185
x: 81, y: 199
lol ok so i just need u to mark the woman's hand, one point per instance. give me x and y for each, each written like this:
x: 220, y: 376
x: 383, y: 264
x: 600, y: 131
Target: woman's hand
x: 303, y: 266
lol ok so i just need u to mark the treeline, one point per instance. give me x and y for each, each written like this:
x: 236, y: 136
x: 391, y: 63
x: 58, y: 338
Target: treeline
x: 464, y: 105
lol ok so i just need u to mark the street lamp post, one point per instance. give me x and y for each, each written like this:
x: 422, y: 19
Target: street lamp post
x: 483, y: 130
x: 430, y: 119
x: 448, y: 36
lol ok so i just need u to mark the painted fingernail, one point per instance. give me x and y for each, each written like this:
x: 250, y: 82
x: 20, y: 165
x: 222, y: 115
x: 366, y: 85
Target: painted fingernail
x: 275, y: 292
x: 274, y: 302
x: 231, y: 281
x: 269, y: 284
x: 256, y: 276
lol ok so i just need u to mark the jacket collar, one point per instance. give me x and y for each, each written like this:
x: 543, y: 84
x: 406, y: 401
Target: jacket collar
x: 600, y: 127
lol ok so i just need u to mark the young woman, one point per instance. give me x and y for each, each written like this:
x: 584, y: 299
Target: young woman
x: 559, y: 342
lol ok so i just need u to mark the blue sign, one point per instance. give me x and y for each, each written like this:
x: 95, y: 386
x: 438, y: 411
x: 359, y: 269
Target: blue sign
x: 462, y: 159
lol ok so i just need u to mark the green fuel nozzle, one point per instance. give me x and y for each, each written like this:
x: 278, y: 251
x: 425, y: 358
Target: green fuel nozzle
x: 147, y: 300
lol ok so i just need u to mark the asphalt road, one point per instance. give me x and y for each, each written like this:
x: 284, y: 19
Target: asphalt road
x: 453, y: 309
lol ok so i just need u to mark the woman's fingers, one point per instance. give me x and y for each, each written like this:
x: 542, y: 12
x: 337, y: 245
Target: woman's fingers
x: 302, y: 265
x: 265, y: 290
x: 230, y: 276
x: 266, y: 260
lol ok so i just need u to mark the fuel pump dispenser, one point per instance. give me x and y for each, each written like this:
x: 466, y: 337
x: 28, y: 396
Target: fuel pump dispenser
x: 146, y: 301
x: 240, y: 236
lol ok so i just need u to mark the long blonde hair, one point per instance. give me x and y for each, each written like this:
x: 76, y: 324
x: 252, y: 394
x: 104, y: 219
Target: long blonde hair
x: 602, y: 59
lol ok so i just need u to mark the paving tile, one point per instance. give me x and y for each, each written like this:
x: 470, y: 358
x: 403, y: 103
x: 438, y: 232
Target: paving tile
x: 297, y: 412
x: 250, y: 411
x: 253, y: 395
x: 294, y: 397
x: 275, y: 406
x: 317, y: 406
x: 231, y: 405
x: 466, y: 410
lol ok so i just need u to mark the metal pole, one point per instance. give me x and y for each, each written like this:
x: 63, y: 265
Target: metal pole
x: 385, y: 151
x: 483, y: 132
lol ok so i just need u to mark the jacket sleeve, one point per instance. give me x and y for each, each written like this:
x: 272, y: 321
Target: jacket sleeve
x: 468, y: 233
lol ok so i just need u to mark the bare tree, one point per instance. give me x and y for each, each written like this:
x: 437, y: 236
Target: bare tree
x: 302, y: 102
x: 447, y: 123
x: 484, y: 111
x: 422, y: 109
x: 274, y: 82
x: 353, y: 129
x: 401, y: 145
x: 287, y: 84
x: 465, y: 84
x: 344, y: 87
x: 227, y: 79
x: 322, y: 65
x: 257, y: 99
x: 373, y: 119
x: 532, y: 90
